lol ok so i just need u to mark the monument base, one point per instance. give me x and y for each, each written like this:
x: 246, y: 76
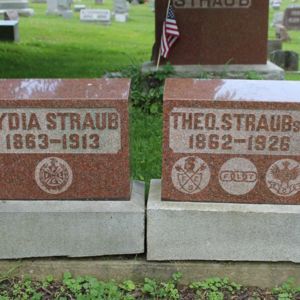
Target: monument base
x: 221, y: 231
x: 268, y: 71
x: 73, y: 228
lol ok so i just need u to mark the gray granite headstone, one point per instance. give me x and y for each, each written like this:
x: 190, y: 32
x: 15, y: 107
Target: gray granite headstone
x: 9, y: 31
x: 21, y: 6
x: 120, y: 7
x: 60, y: 7
x: 274, y: 45
x: 278, y: 19
x: 11, y: 15
x: 287, y: 60
x: 102, y: 16
x: 292, y: 17
x: 79, y: 7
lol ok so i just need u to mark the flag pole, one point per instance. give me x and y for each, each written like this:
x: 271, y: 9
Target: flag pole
x: 159, y: 54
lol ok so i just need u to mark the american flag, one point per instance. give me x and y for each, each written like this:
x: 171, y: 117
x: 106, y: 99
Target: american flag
x: 170, y: 32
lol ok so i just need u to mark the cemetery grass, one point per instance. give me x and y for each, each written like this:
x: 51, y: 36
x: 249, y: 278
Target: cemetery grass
x: 89, y: 288
x: 54, y: 47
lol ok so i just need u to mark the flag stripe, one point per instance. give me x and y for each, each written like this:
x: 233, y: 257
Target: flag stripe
x: 170, y: 32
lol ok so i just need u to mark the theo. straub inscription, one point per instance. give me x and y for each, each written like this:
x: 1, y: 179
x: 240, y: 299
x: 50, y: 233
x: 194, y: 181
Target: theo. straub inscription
x: 235, y: 131
x: 40, y: 130
x: 212, y: 4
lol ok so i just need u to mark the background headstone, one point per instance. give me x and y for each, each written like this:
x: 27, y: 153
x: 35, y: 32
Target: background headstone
x: 278, y: 19
x: 102, y: 16
x: 203, y: 29
x: 282, y: 33
x: 79, y: 7
x: 288, y: 60
x: 274, y: 45
x: 99, y: 2
x: 9, y: 31
x: 276, y: 4
x: 120, y: 7
x: 11, y: 15
x: 292, y: 17
x: 21, y: 6
x: 52, y: 7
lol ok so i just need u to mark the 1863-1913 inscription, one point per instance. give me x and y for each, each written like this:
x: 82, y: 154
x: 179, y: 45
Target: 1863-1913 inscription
x: 64, y: 139
x: 231, y: 141
x: 38, y: 130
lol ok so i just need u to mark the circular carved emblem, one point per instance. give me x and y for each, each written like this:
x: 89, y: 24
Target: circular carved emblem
x: 283, y: 177
x: 238, y: 176
x: 190, y: 175
x: 53, y: 175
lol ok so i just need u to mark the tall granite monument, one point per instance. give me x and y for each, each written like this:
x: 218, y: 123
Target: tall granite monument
x: 217, y: 33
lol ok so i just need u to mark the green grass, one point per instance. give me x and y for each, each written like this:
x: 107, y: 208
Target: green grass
x: 53, y: 47
x: 146, y: 139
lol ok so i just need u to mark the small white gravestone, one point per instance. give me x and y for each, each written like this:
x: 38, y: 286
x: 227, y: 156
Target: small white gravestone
x: 121, y: 17
x: 79, y: 7
x: 95, y: 15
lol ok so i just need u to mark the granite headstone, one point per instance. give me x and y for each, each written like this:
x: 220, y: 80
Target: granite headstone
x: 216, y: 32
x: 231, y: 141
x: 64, y: 139
x: 292, y: 17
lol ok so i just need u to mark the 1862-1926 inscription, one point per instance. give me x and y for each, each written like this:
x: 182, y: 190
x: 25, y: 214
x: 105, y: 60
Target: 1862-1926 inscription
x: 235, y: 131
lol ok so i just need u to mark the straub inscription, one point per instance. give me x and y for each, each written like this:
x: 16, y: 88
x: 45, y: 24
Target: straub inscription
x: 235, y: 131
x: 39, y: 130
x: 212, y: 4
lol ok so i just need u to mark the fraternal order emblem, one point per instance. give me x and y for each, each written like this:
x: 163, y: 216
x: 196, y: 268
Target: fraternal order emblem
x: 238, y: 176
x: 283, y: 177
x: 53, y: 175
x: 190, y: 175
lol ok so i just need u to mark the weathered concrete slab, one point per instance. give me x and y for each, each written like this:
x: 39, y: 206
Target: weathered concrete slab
x: 268, y: 71
x: 247, y: 273
x: 73, y: 228
x: 221, y: 231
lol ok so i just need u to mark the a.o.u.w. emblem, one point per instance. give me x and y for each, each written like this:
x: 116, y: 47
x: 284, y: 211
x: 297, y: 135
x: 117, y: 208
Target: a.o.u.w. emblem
x: 190, y: 175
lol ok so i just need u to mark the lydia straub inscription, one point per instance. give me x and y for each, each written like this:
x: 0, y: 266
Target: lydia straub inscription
x: 34, y: 130
x: 212, y: 4
x: 235, y: 131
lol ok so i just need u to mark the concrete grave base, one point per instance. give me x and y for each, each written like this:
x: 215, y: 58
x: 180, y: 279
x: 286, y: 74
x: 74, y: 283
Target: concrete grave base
x: 73, y: 228
x: 264, y: 275
x: 268, y: 71
x: 221, y: 231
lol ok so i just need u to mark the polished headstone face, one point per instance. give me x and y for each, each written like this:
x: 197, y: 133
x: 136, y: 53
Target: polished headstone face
x: 64, y: 139
x: 231, y: 141
x: 216, y: 32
